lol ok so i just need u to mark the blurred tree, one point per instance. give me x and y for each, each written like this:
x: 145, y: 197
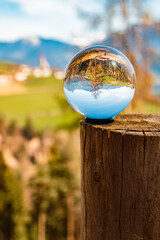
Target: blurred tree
x: 51, y: 186
x: 12, y: 215
x: 12, y: 127
x: 28, y: 130
x: 130, y: 39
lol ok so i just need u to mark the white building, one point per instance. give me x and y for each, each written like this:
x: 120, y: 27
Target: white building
x: 5, y: 79
x: 44, y: 70
x: 58, y: 74
x: 22, y: 73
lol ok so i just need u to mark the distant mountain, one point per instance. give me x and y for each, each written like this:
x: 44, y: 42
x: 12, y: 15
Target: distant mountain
x: 27, y: 51
x: 58, y: 54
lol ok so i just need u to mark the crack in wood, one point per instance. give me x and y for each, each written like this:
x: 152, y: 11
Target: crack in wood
x: 134, y: 235
x: 121, y: 186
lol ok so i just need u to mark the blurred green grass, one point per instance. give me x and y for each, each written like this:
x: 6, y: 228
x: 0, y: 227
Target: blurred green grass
x: 44, y: 102
x: 40, y: 103
x: 7, y: 68
x: 152, y: 108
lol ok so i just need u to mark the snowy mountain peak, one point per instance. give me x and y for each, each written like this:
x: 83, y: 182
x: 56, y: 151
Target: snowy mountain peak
x: 34, y: 40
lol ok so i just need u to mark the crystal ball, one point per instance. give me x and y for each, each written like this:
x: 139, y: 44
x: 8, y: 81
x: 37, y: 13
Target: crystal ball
x: 99, y: 82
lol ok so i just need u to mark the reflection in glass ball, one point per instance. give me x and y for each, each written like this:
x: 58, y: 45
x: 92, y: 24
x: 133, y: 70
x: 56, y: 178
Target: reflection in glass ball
x: 99, y: 82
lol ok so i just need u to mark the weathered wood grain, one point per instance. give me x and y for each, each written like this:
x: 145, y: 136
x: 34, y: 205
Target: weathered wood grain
x: 121, y: 179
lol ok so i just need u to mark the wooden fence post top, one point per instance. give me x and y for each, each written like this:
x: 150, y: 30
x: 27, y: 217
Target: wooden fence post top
x: 121, y: 178
x: 131, y: 122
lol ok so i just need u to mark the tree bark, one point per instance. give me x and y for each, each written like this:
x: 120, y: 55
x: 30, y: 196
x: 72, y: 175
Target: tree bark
x: 121, y: 179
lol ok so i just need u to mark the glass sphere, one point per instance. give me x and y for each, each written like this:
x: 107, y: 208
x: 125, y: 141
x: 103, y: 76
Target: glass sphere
x: 99, y: 82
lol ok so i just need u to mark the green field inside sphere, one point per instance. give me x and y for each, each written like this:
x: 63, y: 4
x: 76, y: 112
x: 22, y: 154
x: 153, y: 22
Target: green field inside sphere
x: 107, y: 80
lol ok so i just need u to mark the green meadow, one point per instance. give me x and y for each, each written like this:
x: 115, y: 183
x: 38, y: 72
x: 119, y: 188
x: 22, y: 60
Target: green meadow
x: 43, y: 102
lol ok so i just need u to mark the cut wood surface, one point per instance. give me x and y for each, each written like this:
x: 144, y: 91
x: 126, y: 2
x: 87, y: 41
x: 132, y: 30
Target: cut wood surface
x: 121, y: 179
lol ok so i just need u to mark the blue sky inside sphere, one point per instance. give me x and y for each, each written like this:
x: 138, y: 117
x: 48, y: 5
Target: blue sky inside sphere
x: 102, y: 103
x: 59, y: 19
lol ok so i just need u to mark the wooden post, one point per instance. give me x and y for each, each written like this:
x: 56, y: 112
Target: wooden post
x: 121, y: 179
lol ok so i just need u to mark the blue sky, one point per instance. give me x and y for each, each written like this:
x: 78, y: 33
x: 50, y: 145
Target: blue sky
x: 47, y: 18
x: 55, y: 19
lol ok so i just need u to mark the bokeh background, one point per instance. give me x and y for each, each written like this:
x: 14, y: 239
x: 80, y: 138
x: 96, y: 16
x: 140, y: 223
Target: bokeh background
x: 39, y: 135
